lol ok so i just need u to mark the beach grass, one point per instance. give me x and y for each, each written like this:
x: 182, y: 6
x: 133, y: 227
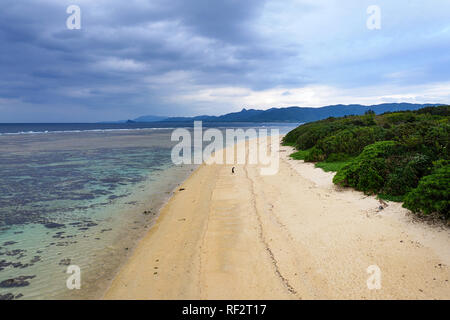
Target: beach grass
x: 327, y: 166
x: 299, y: 155
x: 390, y: 197
x: 332, y: 166
x: 288, y: 144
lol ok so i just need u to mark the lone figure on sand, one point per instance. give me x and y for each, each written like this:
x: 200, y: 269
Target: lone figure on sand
x: 232, y: 170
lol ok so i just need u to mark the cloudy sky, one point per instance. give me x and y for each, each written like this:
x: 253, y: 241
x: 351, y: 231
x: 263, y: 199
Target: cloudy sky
x: 186, y: 57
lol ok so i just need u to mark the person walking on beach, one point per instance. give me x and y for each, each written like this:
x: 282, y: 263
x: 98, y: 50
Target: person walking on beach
x: 232, y: 170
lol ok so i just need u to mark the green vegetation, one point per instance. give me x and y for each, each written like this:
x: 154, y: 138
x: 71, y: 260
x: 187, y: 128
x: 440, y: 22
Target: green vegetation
x: 401, y: 156
x: 299, y: 155
x: 290, y: 144
x: 432, y: 193
x: 389, y: 197
x: 332, y: 166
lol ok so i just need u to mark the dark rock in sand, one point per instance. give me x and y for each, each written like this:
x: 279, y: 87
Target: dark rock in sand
x: 21, y: 265
x: 35, y: 259
x: 53, y: 225
x: 65, y: 243
x: 91, y: 224
x: 8, y: 296
x: 16, y: 282
x: 4, y: 263
x: 65, y: 262
x: 15, y: 252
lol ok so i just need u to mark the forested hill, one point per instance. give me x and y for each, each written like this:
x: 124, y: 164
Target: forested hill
x: 296, y: 114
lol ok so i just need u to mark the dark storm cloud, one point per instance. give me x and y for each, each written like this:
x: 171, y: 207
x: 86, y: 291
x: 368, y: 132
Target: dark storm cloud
x: 146, y: 57
x: 52, y: 65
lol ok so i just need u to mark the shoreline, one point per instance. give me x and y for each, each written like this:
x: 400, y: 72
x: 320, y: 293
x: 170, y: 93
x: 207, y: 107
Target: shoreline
x: 145, y: 199
x: 147, y: 205
x: 150, y: 225
x: 287, y: 236
x: 106, y: 182
x: 160, y: 218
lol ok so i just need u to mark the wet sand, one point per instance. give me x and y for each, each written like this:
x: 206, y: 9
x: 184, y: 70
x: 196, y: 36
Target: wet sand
x: 292, y: 235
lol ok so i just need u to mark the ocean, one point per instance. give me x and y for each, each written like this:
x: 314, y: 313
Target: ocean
x: 81, y: 194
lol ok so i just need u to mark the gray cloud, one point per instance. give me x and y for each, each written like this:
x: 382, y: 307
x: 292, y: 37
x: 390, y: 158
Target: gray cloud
x: 169, y: 58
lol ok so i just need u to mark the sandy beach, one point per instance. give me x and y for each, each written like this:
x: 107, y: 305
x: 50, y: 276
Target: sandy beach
x: 293, y: 235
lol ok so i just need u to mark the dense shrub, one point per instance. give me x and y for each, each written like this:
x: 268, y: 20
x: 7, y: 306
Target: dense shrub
x: 439, y: 111
x: 367, y: 171
x: 349, y: 142
x: 436, y: 141
x: 309, y: 139
x: 314, y: 154
x: 299, y: 155
x: 390, y: 154
x: 432, y: 194
x: 338, y: 157
x: 384, y: 167
x: 406, y: 173
x: 307, y: 135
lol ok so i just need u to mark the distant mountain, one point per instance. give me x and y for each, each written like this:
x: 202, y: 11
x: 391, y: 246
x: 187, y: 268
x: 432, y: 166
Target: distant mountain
x: 288, y: 114
x: 140, y: 119
x: 300, y: 114
x: 150, y: 119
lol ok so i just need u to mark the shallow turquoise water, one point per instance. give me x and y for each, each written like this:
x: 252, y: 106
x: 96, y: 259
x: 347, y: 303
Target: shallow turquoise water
x: 78, y: 199
x: 81, y: 199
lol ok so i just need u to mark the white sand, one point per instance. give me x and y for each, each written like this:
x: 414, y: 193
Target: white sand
x: 292, y: 235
